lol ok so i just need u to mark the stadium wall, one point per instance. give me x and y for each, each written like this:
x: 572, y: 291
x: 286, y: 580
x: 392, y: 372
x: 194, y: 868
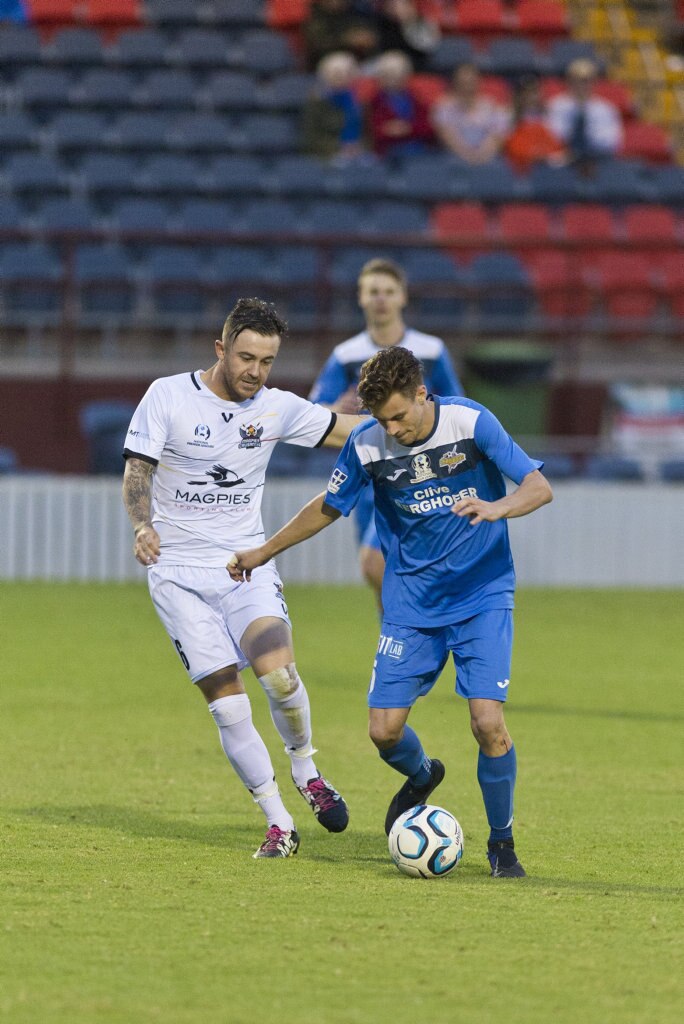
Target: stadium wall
x: 594, y: 534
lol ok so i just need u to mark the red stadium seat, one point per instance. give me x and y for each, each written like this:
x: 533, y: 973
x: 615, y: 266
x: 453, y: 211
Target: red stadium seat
x: 468, y: 221
x: 427, y: 88
x: 558, y: 282
x: 497, y: 88
x: 618, y: 94
x: 286, y: 14
x: 114, y: 14
x: 542, y: 21
x: 48, y: 15
x: 650, y: 224
x: 525, y: 222
x: 625, y: 280
x: 588, y: 223
x: 483, y: 20
x: 671, y: 271
x: 646, y: 142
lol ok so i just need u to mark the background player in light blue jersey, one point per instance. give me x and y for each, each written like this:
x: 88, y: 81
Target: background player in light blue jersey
x: 437, y: 470
x: 382, y: 296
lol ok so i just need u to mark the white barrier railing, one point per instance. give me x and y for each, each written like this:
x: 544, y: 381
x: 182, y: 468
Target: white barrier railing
x: 58, y: 528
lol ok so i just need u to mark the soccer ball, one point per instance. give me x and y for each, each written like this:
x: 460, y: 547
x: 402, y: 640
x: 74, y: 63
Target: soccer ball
x: 426, y: 842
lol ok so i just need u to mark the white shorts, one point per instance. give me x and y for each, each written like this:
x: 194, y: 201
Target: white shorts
x: 206, y: 613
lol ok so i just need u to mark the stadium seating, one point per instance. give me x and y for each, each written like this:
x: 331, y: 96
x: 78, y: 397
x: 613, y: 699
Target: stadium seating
x: 612, y: 468
x: 104, y: 423
x: 30, y: 282
x: 75, y: 47
x: 672, y: 470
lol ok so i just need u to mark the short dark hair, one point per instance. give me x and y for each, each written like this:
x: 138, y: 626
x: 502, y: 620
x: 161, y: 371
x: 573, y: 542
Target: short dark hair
x: 389, y: 371
x: 384, y: 266
x: 253, y: 315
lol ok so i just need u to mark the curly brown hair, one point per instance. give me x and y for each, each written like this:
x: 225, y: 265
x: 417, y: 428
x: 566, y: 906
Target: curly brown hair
x: 389, y: 371
x: 253, y: 315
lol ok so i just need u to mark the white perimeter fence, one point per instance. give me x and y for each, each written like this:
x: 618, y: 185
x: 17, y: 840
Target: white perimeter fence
x: 608, y: 534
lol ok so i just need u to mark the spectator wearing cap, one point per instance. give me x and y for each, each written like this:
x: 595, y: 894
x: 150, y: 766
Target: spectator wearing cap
x: 590, y: 127
x: 334, y: 25
x: 531, y: 140
x: 399, y: 123
x: 468, y: 123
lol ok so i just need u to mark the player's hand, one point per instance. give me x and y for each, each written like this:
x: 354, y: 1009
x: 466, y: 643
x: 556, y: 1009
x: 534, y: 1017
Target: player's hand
x: 241, y: 563
x: 147, y: 544
x: 478, y: 511
x: 348, y: 404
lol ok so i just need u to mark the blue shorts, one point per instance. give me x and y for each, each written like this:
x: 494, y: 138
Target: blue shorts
x: 410, y: 660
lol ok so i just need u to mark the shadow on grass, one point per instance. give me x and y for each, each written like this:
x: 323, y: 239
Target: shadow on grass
x: 610, y: 713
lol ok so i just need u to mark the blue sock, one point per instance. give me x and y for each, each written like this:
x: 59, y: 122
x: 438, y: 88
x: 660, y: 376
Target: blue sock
x: 496, y: 776
x: 408, y: 757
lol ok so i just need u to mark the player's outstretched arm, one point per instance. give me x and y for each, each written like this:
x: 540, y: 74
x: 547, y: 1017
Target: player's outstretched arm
x: 137, y: 497
x: 311, y: 519
x: 533, y: 492
x: 344, y: 425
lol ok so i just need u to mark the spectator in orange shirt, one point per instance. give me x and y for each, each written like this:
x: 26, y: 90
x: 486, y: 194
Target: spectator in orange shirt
x: 399, y: 122
x: 531, y: 140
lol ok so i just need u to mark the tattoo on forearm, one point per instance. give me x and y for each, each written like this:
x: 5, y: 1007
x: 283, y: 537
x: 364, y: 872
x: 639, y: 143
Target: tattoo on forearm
x: 137, y: 491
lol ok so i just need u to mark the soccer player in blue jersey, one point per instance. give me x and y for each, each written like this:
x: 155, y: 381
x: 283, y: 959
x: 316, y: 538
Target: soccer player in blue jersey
x: 382, y: 297
x: 436, y: 466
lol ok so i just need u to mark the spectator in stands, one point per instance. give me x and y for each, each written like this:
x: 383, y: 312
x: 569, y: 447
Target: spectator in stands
x: 531, y: 140
x: 399, y: 122
x: 589, y: 126
x: 13, y: 10
x: 467, y: 123
x: 333, y: 115
x: 402, y: 27
x: 334, y: 25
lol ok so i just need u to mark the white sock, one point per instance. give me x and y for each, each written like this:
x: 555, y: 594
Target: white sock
x: 291, y: 714
x: 246, y: 751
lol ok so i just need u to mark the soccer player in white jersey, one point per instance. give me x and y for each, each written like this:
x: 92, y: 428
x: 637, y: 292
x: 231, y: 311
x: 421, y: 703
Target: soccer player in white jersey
x: 196, y: 457
x: 436, y: 466
x: 382, y: 297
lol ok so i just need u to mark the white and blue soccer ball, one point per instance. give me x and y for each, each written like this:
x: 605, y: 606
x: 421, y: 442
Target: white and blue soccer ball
x: 426, y: 842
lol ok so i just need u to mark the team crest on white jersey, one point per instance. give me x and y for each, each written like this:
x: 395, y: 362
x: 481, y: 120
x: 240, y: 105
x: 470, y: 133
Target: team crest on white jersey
x: 452, y: 459
x: 251, y: 436
x: 336, y: 480
x: 202, y: 435
x: 422, y: 468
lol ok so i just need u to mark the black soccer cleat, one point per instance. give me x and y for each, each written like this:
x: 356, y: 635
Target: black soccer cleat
x: 410, y: 795
x: 328, y: 806
x: 503, y: 860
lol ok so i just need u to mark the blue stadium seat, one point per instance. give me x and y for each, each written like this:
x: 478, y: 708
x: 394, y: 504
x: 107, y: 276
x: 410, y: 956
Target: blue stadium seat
x: 503, y: 289
x: 348, y: 260
x: 12, y: 215
x: 235, y: 174
x: 74, y: 47
x: 622, y: 181
x: 200, y: 48
x: 330, y: 216
x: 173, y: 13
x: 139, y: 214
x: 108, y: 88
x: 229, y: 90
x: 43, y: 88
x: 265, y: 52
x: 668, y: 183
x: 300, y: 176
x: 267, y: 133
x: 241, y: 13
x: 201, y: 133
x: 557, y: 185
x: 141, y: 131
x: 672, y: 471
x: 496, y: 182
x: 9, y: 460
x: 35, y: 174
x: 105, y: 279
x: 512, y: 58
x: 297, y: 265
x: 389, y: 217
x: 271, y: 215
x: 358, y: 180
x: 169, y: 175
x: 437, y: 287
x: 30, y: 280
x: 235, y: 264
x: 19, y: 46
x: 613, y: 467
x: 17, y: 131
x: 564, y: 51
x: 432, y: 177
x: 209, y: 216
x: 452, y: 50
x: 104, y: 424
x: 288, y: 91
x: 164, y: 88
x: 141, y: 48
x: 177, y: 279
x: 558, y: 466
x: 65, y: 214
x: 73, y: 131
x: 111, y: 174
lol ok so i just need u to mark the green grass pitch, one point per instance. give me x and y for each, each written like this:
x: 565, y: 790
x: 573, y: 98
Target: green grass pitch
x: 128, y: 893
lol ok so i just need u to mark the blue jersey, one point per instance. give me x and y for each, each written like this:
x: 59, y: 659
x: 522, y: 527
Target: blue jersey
x: 439, y: 568
x: 343, y: 367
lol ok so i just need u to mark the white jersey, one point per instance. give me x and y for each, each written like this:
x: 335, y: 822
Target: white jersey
x: 211, y: 457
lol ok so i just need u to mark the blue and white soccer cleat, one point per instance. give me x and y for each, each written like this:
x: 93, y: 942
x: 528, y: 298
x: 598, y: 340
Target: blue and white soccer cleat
x: 278, y: 843
x: 328, y: 806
